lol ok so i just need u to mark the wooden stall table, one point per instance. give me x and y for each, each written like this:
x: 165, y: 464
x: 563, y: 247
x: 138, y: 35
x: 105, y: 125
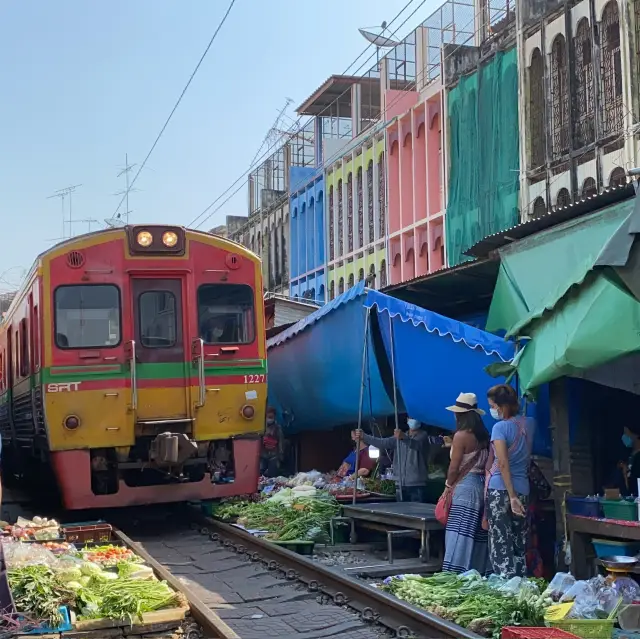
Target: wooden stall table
x: 582, y: 530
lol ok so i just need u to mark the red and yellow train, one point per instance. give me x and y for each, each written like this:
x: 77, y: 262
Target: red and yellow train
x: 133, y: 364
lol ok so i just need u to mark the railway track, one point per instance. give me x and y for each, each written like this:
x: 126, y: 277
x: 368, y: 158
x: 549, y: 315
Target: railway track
x: 240, y: 586
x: 243, y: 587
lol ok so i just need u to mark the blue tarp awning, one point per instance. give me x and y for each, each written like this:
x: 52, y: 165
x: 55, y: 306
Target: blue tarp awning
x: 315, y: 368
x: 436, y: 358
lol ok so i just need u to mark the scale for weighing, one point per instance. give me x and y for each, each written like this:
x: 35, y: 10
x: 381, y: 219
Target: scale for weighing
x: 619, y: 566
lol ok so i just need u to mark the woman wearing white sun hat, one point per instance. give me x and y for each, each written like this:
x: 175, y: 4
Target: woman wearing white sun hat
x: 466, y: 542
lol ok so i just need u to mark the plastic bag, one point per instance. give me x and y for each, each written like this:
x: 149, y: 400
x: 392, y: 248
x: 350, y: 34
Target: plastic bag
x: 512, y: 586
x: 17, y: 554
x: 608, y: 600
x: 626, y: 588
x: 585, y: 607
x: 560, y: 583
x: 580, y: 590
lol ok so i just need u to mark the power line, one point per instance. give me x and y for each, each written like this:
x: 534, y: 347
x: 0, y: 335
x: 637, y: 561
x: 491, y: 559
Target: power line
x: 177, y: 104
x: 419, y: 75
x: 297, y: 126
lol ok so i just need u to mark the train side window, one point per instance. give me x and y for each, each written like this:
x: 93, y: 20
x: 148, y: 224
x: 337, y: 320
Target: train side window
x: 157, y: 317
x: 35, y: 330
x: 24, y: 349
x: 87, y: 316
x: 2, y: 373
x: 226, y: 313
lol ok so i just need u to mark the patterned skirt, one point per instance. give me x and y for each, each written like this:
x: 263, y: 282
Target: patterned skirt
x: 466, y: 543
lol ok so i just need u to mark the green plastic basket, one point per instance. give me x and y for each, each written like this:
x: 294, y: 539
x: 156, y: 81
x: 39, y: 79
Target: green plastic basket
x: 586, y: 628
x: 619, y: 509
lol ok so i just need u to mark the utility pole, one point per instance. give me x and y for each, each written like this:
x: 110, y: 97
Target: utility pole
x: 62, y: 194
x: 128, y: 189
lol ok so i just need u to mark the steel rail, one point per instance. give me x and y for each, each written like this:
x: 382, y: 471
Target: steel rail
x: 373, y: 604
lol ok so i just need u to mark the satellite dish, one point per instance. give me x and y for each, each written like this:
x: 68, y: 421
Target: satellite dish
x: 378, y: 39
x: 114, y: 223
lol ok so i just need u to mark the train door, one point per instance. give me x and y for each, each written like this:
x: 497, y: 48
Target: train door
x: 159, y: 377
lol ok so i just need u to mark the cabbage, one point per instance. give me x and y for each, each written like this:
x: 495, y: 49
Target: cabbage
x: 69, y: 574
x: 84, y: 580
x: 105, y: 576
x: 90, y: 569
x: 74, y: 585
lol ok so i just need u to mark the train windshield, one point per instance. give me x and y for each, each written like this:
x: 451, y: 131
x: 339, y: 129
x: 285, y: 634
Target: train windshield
x: 226, y: 314
x: 87, y: 316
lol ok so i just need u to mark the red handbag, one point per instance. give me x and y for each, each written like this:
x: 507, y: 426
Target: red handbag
x: 444, y: 503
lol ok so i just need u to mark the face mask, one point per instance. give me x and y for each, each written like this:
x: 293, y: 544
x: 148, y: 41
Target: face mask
x: 271, y: 421
x: 217, y: 332
x: 413, y: 424
x: 627, y: 441
x: 495, y: 413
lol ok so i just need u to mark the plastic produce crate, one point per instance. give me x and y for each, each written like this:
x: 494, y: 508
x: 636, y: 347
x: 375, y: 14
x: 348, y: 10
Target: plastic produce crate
x: 88, y: 533
x: 44, y: 629
x: 519, y: 632
x: 609, y: 548
x: 620, y: 509
x: 583, y: 507
x: 586, y: 628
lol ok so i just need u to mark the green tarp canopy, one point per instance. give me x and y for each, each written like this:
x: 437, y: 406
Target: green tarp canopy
x: 568, y: 294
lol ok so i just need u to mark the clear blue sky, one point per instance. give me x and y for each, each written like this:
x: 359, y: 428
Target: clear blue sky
x: 84, y: 81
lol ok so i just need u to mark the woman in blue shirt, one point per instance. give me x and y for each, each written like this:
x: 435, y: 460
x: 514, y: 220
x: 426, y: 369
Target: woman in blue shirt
x: 507, y: 487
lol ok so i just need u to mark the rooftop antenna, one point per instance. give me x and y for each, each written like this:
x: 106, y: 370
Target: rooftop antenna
x: 128, y: 189
x: 274, y: 133
x: 379, y: 40
x: 62, y: 194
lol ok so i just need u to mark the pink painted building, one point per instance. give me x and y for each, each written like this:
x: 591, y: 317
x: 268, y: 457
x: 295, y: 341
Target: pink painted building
x: 416, y: 143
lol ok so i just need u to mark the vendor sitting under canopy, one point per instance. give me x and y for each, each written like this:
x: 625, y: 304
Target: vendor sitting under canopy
x: 365, y: 463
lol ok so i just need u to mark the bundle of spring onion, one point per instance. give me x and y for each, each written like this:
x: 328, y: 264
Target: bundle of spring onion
x: 471, y: 602
x: 299, y: 518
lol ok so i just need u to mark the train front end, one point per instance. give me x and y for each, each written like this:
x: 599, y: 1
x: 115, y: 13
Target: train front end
x: 154, y: 372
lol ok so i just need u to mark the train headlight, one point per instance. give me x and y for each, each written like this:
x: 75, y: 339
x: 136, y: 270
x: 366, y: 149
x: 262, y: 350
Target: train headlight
x: 247, y: 411
x: 71, y: 422
x: 144, y: 239
x: 170, y: 239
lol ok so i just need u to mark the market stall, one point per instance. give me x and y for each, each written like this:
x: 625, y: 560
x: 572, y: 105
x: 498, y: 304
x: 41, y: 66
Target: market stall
x: 81, y: 578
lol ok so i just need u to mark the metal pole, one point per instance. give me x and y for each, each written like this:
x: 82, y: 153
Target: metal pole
x: 395, y: 408
x: 362, y: 379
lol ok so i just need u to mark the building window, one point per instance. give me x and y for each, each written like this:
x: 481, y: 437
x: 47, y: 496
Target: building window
x: 340, y: 229
x: 539, y: 208
x: 371, y: 278
x: 381, y: 195
x: 559, y: 97
x: 618, y: 177
x: 360, y: 209
x: 351, y: 281
x: 341, y: 286
x: 331, y: 240
x: 589, y: 188
x: 536, y: 109
x: 87, y: 316
x: 360, y: 275
x: 370, y: 200
x: 383, y: 273
x: 225, y: 313
x: 350, y: 213
x: 332, y: 290
x: 613, y: 116
x: 563, y: 199
x: 584, y: 128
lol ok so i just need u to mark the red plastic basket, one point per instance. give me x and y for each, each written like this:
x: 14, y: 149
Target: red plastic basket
x: 518, y: 632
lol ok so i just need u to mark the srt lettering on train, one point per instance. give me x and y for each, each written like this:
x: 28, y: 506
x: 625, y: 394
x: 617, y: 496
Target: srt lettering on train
x: 63, y: 388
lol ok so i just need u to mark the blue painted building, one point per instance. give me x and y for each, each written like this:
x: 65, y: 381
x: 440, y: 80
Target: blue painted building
x: 307, y: 234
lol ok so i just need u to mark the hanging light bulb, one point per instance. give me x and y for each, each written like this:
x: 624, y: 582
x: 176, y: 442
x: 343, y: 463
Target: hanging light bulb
x: 374, y: 453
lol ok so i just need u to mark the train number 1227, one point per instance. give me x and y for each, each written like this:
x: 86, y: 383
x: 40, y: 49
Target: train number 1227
x: 255, y: 379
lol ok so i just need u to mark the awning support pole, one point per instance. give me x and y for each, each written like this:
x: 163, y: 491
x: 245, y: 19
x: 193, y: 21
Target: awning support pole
x: 365, y: 351
x: 396, y: 461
